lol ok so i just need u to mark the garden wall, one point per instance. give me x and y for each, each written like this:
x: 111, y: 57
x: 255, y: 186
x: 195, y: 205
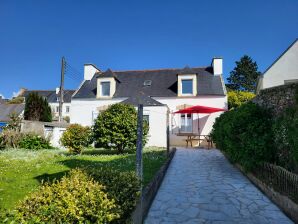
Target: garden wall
x: 277, y: 98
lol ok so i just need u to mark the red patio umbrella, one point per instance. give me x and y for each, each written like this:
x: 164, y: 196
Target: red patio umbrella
x: 199, y: 110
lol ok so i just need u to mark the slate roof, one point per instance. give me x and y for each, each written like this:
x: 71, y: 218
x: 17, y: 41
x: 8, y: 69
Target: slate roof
x: 7, y: 109
x: 164, y: 83
x: 51, y: 95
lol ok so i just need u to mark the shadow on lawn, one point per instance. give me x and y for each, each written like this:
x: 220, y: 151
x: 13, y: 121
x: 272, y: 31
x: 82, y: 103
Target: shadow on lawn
x: 122, y: 164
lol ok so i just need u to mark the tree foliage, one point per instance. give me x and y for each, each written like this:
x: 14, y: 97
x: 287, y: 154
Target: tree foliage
x: 237, y: 98
x: 116, y: 128
x: 37, y: 108
x: 244, y: 76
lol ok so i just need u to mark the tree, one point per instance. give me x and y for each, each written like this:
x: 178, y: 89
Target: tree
x: 116, y: 128
x: 37, y: 108
x: 237, y: 98
x: 244, y: 76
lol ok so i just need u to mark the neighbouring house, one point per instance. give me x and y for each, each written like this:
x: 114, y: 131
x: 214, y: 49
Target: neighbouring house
x: 284, y: 69
x: 161, y: 91
x: 53, y: 98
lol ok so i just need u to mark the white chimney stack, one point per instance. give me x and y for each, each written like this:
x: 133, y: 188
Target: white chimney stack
x: 89, y: 71
x: 217, y: 66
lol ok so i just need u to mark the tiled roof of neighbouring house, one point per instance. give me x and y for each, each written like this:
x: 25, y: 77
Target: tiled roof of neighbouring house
x: 7, y: 109
x: 51, y: 95
x: 163, y: 83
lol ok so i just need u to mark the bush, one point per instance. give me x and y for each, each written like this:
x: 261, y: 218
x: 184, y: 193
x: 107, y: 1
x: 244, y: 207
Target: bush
x: 34, y: 141
x: 237, y: 98
x: 10, y: 138
x: 116, y: 128
x: 245, y: 135
x: 123, y: 187
x: 76, y: 198
x: 76, y: 137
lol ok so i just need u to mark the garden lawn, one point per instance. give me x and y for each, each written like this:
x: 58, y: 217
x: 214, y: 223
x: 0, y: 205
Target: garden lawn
x: 22, y: 171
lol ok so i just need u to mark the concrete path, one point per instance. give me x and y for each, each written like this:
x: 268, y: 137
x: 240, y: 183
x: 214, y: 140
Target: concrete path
x: 201, y: 186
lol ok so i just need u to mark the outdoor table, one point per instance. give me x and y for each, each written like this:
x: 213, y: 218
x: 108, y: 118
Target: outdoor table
x: 190, y: 137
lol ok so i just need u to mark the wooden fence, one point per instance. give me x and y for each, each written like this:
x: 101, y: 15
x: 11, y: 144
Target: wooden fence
x: 280, y: 179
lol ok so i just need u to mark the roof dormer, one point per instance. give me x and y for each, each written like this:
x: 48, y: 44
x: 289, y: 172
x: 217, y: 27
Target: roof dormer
x: 106, y: 86
x: 187, y: 85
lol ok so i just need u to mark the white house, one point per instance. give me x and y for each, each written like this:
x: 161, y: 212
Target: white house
x: 53, y: 97
x: 284, y: 69
x: 161, y: 91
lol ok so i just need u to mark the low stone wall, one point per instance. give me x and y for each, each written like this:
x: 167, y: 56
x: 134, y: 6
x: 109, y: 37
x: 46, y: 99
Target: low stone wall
x: 277, y: 98
x: 284, y: 203
x: 150, y: 191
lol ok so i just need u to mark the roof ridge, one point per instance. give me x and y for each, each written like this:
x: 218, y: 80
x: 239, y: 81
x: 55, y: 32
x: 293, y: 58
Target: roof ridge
x: 157, y: 69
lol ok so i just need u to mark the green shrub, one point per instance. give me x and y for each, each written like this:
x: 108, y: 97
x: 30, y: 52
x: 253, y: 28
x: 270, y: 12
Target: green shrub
x: 245, y: 135
x: 76, y: 198
x: 34, y: 141
x: 123, y: 187
x: 116, y: 128
x: 10, y: 138
x: 237, y: 98
x: 76, y: 137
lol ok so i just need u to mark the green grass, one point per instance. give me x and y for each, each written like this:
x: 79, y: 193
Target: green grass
x: 22, y: 171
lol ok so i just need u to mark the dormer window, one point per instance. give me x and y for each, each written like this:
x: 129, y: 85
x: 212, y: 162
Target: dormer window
x: 105, y: 88
x: 147, y: 83
x: 187, y: 85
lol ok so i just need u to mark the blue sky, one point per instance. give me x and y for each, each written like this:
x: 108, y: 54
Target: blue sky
x: 34, y: 35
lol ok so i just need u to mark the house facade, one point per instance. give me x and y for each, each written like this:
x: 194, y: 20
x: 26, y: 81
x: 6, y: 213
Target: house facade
x: 161, y: 91
x: 53, y: 98
x: 284, y: 69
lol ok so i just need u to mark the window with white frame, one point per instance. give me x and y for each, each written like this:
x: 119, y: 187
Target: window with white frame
x: 57, y: 109
x: 187, y: 86
x: 105, y: 88
x: 67, y: 109
x: 186, y: 123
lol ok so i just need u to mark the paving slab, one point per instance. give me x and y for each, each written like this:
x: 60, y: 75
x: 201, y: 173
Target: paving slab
x: 201, y: 186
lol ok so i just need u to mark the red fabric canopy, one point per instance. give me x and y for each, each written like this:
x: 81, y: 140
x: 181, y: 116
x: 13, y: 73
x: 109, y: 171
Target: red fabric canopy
x: 199, y: 110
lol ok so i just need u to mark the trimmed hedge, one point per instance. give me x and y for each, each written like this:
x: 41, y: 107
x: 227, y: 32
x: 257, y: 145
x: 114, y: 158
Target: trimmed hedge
x: 245, y: 135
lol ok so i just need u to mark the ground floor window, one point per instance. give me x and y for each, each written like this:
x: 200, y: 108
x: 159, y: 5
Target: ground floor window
x: 186, y: 123
x: 146, y: 119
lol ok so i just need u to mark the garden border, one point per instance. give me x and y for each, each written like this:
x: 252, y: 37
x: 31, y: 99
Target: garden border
x: 283, y: 202
x: 150, y: 191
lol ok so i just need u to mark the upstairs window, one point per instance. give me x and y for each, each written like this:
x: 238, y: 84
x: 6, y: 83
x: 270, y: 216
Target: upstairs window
x: 187, y: 86
x: 67, y: 109
x: 105, y: 88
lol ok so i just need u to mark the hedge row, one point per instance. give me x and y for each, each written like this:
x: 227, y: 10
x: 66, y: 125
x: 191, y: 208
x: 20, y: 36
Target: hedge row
x: 250, y: 136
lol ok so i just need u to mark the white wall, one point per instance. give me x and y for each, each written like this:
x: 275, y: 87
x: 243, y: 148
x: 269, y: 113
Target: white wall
x: 157, y: 125
x: 54, y: 134
x: 286, y: 68
x: 81, y: 111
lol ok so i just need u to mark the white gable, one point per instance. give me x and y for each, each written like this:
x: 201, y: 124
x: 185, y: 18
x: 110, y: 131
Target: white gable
x: 284, y: 70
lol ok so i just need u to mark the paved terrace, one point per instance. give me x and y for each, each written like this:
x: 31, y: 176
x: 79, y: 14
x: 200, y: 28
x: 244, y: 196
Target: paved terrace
x: 201, y: 186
